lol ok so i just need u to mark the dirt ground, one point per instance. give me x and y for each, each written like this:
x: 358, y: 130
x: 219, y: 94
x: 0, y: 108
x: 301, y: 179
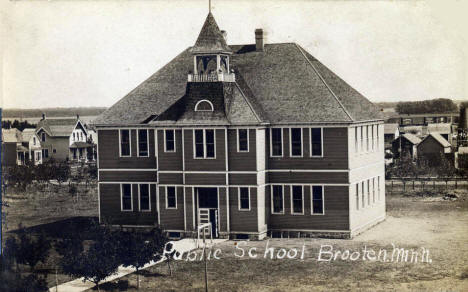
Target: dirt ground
x: 413, y: 222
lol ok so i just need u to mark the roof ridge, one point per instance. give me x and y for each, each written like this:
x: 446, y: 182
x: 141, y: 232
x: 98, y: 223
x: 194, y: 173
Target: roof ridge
x: 248, y: 102
x: 323, y: 81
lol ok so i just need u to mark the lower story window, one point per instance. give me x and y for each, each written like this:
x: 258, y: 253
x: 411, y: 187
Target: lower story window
x: 244, y: 199
x: 297, y: 200
x: 171, y: 198
x: 278, y: 199
x: 317, y: 200
x: 144, y: 193
x: 126, y: 197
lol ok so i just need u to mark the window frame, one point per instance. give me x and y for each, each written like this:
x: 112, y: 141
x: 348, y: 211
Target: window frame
x: 149, y: 198
x: 43, y: 136
x: 272, y: 200
x: 357, y: 197
x: 312, y: 200
x: 311, y: 141
x: 165, y: 144
x: 175, y: 197
x: 291, y: 187
x: 122, y: 196
x: 239, y: 199
x: 271, y: 142
x: 363, y: 195
x: 147, y: 142
x: 204, y: 143
x: 290, y: 143
x: 204, y: 100
x: 129, y: 142
x: 238, y: 140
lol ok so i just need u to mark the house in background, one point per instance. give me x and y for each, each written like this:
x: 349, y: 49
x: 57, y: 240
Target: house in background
x: 432, y: 147
x: 63, y: 139
x: 13, y: 153
x: 31, y: 141
x: 406, y: 145
x: 446, y: 130
x: 252, y: 138
x: 424, y: 119
x: 391, y: 132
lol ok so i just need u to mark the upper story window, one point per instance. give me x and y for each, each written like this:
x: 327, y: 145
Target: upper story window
x: 171, y: 198
x: 34, y: 140
x: 276, y: 142
x: 125, y: 148
x: 296, y: 141
x: 297, y: 200
x: 204, y: 143
x: 204, y: 106
x: 142, y: 142
x: 277, y: 199
x: 242, y: 140
x: 74, y: 136
x: 169, y: 141
x: 43, y: 137
x: 244, y: 198
x: 316, y: 136
x: 126, y: 197
x: 356, y: 139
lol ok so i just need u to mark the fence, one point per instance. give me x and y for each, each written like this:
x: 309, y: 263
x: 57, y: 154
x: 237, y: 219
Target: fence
x: 426, y: 183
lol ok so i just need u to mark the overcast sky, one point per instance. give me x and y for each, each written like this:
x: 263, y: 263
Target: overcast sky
x: 91, y: 53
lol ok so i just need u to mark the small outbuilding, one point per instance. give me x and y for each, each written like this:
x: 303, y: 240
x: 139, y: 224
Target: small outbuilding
x: 432, y: 147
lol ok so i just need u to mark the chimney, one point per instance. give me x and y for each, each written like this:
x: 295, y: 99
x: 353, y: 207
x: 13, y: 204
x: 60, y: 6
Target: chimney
x: 259, y: 40
x: 224, y: 33
x: 43, y: 116
x: 77, y: 116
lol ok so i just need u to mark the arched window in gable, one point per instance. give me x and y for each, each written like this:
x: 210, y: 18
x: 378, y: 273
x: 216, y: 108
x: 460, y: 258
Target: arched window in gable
x: 204, y: 106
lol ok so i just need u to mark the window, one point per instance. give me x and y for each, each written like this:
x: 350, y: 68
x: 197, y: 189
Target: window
x: 81, y: 135
x: 373, y: 137
x: 169, y: 140
x: 363, y: 196
x: 378, y: 188
x: 204, y: 143
x: 368, y: 192
x: 362, y: 137
x: 34, y: 140
x: 276, y: 142
x: 296, y: 141
x: 242, y: 140
x: 373, y: 190
x: 54, y: 150
x: 43, y: 136
x: 143, y: 142
x: 356, y: 139
x: 204, y: 106
x: 144, y: 197
x: 38, y: 156
x: 377, y: 137
x: 367, y: 138
x: 357, y: 196
x: 316, y: 142
x: 74, y: 137
x: 45, y: 153
x: 297, y: 200
x: 126, y: 197
x: 125, y: 143
x: 317, y: 200
x: 171, y: 198
x: 244, y: 199
x: 277, y: 198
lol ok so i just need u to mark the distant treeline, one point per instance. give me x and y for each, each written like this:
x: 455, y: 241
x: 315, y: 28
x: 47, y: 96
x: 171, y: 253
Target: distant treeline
x: 17, y: 124
x: 440, y: 105
x: 52, y: 112
x: 386, y: 104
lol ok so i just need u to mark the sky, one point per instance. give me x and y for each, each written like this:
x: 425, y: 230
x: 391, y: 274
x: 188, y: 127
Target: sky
x: 92, y: 53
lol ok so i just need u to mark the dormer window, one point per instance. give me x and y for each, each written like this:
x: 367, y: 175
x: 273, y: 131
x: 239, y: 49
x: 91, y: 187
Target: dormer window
x: 204, y: 106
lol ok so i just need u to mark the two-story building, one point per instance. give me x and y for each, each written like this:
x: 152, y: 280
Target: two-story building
x: 256, y: 139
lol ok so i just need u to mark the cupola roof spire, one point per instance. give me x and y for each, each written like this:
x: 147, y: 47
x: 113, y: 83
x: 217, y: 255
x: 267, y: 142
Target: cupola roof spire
x: 210, y: 39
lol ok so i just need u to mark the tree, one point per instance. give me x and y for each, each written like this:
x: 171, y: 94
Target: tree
x: 446, y: 169
x: 439, y: 105
x: 62, y: 172
x: 137, y: 248
x: 403, y: 168
x: 32, y: 250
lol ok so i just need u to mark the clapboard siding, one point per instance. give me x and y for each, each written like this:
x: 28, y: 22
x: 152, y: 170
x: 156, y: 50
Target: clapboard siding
x: 335, y: 151
x: 239, y: 161
x: 222, y: 216
x: 170, y: 178
x: 172, y: 219
x: 110, y: 207
x: 108, y: 150
x: 242, y: 179
x: 205, y: 179
x: 307, y: 177
x: 243, y: 221
x: 205, y: 164
x: 170, y: 160
x: 336, y: 215
x: 189, y: 208
x: 127, y: 176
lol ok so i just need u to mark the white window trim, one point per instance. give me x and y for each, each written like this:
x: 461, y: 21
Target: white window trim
x: 357, y: 197
x: 272, y: 204
x: 121, y: 198
x: 356, y: 143
x: 204, y: 143
x: 129, y: 142
x: 312, y: 200
x: 138, y: 142
x: 239, y: 199
x: 373, y: 191
x: 290, y: 143
x: 139, y: 197
x: 368, y: 193
x: 363, y: 197
x: 165, y: 146
x: 43, y: 136
x: 271, y: 142
x: 203, y: 100
x: 291, y: 199
x: 175, y: 195
x: 321, y: 142
x: 248, y: 140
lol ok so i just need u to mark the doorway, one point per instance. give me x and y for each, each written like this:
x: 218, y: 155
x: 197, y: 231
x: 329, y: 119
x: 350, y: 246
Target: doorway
x: 207, y: 208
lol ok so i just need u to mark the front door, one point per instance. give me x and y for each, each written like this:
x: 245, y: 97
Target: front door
x: 208, y: 208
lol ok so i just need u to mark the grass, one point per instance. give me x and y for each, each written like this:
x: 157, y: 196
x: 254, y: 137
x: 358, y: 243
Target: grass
x: 412, y: 222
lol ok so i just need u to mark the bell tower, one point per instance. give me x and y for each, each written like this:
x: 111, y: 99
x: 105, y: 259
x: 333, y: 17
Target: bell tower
x: 211, y: 55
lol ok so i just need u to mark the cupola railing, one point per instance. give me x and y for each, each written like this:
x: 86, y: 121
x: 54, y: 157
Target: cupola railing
x: 212, y: 77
